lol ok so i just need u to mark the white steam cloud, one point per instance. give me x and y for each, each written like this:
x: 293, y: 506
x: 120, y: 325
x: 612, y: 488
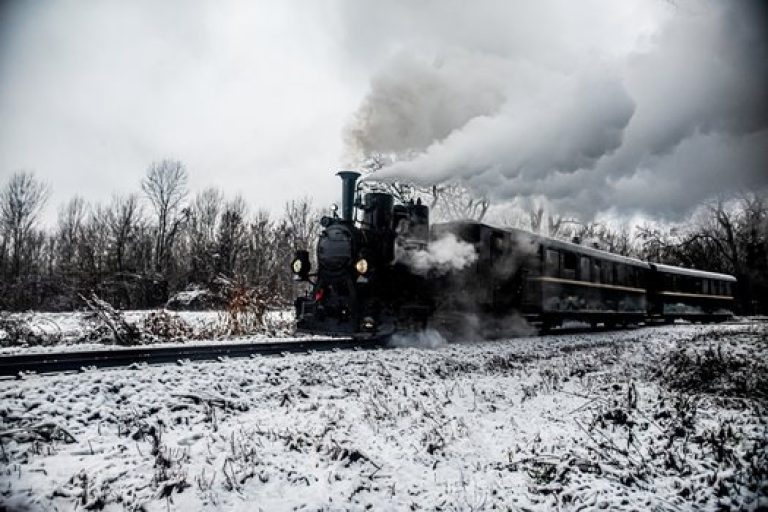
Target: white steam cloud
x: 630, y: 106
x: 440, y: 257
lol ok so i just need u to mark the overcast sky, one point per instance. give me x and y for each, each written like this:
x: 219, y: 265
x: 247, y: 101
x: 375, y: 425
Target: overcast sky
x: 638, y: 105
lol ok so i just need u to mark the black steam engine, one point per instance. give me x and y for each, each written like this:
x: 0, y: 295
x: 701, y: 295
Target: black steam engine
x: 365, y: 286
x: 359, y: 288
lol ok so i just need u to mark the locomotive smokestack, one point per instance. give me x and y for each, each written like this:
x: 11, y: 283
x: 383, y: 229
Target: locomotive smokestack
x: 348, y: 180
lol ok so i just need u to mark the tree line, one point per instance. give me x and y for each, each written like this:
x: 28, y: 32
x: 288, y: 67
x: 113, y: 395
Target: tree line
x: 139, y: 248
x: 142, y: 247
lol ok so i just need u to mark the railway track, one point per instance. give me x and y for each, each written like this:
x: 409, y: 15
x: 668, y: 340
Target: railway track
x: 14, y: 365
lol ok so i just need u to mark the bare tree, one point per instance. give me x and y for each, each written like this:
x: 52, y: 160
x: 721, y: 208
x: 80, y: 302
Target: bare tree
x: 69, y: 233
x: 201, y: 230
x: 454, y: 201
x: 166, y: 187
x: 205, y: 210
x: 230, y: 241
x: 21, y: 201
x: 125, y: 222
x: 301, y: 220
x: 261, y: 243
x: 535, y: 216
x: 448, y: 201
x: 93, y: 250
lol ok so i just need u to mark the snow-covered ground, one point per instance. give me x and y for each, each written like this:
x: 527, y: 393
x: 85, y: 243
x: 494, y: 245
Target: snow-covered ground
x: 655, y: 418
x: 79, y: 330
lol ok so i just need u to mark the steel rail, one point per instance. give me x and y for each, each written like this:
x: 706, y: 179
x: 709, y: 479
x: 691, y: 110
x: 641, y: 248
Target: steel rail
x: 52, y: 362
x: 14, y: 365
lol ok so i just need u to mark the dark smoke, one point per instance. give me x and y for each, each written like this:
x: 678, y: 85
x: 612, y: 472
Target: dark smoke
x: 550, y: 99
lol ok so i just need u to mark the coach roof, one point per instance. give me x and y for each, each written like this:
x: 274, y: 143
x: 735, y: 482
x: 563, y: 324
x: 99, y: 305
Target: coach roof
x: 669, y: 269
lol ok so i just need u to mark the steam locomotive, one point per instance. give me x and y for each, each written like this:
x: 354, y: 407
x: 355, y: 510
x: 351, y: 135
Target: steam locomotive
x: 366, y: 286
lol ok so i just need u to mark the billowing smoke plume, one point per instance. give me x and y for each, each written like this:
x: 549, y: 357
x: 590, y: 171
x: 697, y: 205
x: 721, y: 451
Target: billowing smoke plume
x: 440, y: 257
x: 631, y: 106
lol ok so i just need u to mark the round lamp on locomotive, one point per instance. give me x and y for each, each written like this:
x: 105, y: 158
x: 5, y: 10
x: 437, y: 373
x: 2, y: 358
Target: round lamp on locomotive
x: 301, y: 266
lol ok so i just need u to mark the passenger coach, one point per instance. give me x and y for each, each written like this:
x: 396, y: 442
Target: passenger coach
x: 689, y: 294
x: 549, y: 281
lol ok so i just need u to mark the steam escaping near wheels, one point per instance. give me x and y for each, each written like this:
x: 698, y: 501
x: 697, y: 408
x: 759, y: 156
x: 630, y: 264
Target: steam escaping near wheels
x: 428, y: 338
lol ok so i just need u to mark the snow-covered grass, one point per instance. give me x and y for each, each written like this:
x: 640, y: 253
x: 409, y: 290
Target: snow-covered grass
x: 39, y: 332
x: 596, y: 420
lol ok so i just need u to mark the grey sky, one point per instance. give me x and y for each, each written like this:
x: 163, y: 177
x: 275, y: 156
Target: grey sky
x: 597, y: 104
x: 251, y: 96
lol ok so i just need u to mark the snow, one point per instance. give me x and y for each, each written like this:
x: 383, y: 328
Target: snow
x: 77, y: 330
x: 591, y: 420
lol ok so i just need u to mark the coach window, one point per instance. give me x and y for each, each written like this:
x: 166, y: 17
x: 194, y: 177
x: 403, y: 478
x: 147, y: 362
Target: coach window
x: 570, y: 262
x: 584, y: 270
x: 596, y: 271
x: 607, y: 272
x: 552, y: 262
x: 620, y: 274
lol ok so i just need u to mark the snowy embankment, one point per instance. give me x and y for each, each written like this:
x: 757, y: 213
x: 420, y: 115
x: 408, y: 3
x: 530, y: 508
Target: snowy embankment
x: 671, y: 418
x: 38, y: 332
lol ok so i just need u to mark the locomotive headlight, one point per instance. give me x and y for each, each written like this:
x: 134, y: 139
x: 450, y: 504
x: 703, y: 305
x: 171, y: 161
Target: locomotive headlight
x: 300, y: 266
x: 361, y: 266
